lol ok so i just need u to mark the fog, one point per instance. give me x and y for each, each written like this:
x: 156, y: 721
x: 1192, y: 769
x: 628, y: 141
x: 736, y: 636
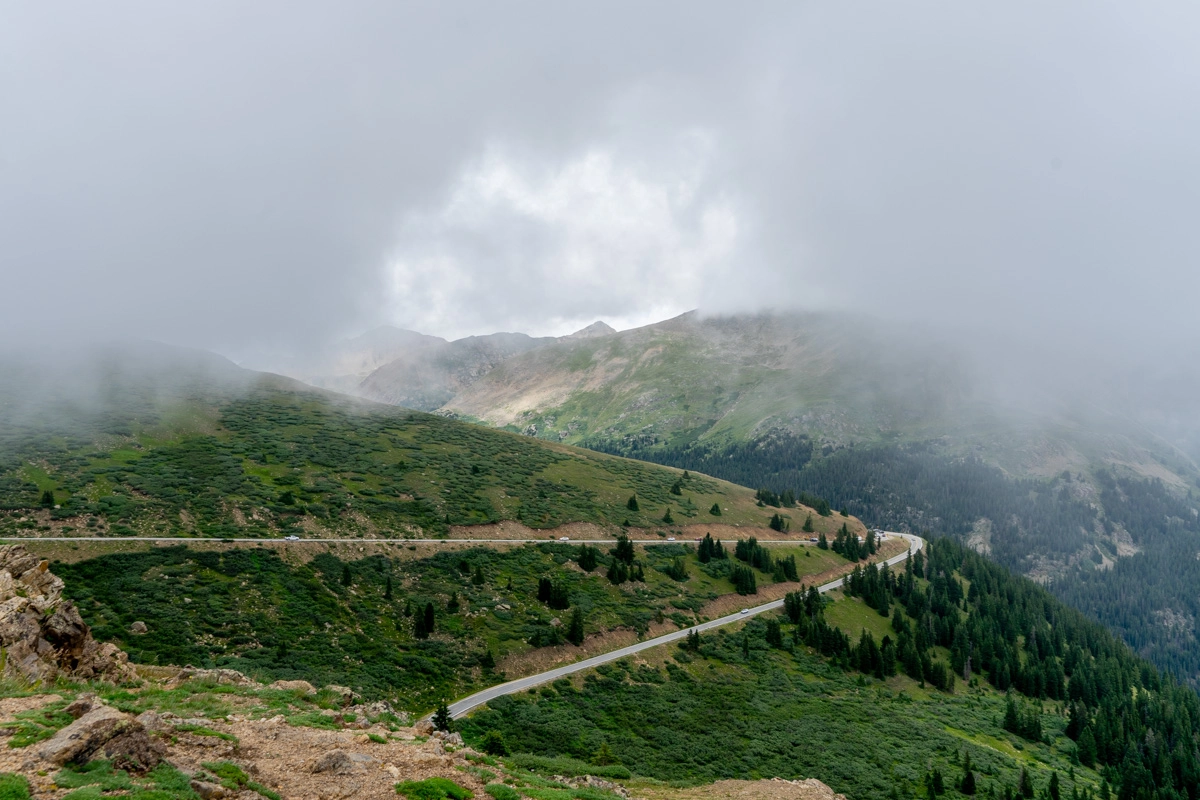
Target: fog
x: 263, y: 179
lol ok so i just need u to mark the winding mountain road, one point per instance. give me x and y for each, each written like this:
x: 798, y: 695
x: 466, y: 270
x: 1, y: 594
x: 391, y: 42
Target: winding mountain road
x: 461, y: 707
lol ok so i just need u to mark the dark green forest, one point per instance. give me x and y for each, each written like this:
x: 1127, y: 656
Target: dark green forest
x: 1150, y: 599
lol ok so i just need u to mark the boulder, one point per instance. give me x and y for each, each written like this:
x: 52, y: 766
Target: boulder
x: 103, y: 731
x: 221, y: 677
x: 43, y: 636
x: 138, y: 628
x: 423, y: 727
x: 209, y: 791
x: 339, y: 762
x: 345, y: 694
x: 294, y: 686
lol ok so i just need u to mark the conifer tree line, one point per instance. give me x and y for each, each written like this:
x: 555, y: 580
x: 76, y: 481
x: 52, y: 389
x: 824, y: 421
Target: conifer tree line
x: 1140, y: 729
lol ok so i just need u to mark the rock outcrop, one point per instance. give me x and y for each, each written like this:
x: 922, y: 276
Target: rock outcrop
x: 103, y: 731
x: 41, y: 634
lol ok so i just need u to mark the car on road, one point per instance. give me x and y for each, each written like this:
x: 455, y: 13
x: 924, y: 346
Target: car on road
x: 292, y: 538
x: 745, y: 611
x: 564, y: 538
x: 670, y: 538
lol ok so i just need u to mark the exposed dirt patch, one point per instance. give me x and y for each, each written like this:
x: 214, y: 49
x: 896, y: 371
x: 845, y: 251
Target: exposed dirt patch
x: 775, y: 789
x: 511, y: 529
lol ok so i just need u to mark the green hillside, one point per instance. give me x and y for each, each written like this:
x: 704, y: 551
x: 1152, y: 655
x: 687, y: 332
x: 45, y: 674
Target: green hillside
x: 226, y: 452
x: 335, y: 615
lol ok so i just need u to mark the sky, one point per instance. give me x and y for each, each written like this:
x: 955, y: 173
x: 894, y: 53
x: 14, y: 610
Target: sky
x: 269, y: 177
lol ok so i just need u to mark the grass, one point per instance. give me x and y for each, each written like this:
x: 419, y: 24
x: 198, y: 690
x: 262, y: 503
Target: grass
x: 13, y: 787
x: 233, y: 777
x: 271, y: 461
x: 853, y: 616
x: 433, y: 789
x: 98, y: 779
x: 38, y: 725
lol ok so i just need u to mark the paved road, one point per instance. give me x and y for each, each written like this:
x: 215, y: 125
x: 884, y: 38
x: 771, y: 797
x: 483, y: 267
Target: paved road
x: 521, y: 684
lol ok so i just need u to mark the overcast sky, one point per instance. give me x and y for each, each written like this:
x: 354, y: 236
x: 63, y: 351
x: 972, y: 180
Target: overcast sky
x: 256, y: 176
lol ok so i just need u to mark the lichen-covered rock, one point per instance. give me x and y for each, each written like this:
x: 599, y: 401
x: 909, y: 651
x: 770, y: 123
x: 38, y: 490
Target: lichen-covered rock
x: 222, y: 677
x: 43, y: 635
x: 295, y: 686
x: 345, y: 694
x: 103, y: 731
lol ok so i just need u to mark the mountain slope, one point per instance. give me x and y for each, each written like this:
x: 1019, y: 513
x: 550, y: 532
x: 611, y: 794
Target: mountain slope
x: 832, y: 378
x: 428, y: 377
x: 195, y: 445
x: 898, y: 431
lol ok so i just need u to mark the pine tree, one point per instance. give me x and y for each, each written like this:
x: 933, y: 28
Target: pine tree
x: 429, y: 620
x: 575, y: 628
x: 967, y: 785
x: 676, y: 488
x: 387, y: 590
x: 588, y: 558
x: 453, y: 605
x: 715, y: 510
x: 632, y: 503
x: 1025, y: 784
x: 1086, y: 748
x: 667, y: 518
x: 823, y: 543
x: 808, y: 526
x: 347, y: 578
x: 1054, y: 788
x: 442, y: 721
x: 48, y: 499
x: 478, y: 578
x: 604, y: 756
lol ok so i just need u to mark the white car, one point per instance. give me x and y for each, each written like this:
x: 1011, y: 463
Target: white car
x: 292, y: 538
x: 744, y: 611
x: 670, y: 538
x: 564, y: 538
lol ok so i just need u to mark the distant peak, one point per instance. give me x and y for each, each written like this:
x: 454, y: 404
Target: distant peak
x: 597, y: 328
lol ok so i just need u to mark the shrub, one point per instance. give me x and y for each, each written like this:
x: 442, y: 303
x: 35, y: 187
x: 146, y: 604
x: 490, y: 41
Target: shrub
x: 499, y: 791
x: 15, y: 787
x: 433, y: 789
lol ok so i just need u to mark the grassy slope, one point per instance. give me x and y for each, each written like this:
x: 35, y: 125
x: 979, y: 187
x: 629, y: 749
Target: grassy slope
x: 269, y: 458
x: 730, y: 379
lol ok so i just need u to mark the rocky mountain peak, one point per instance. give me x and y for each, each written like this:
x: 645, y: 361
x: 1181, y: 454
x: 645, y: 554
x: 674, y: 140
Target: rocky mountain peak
x: 597, y: 328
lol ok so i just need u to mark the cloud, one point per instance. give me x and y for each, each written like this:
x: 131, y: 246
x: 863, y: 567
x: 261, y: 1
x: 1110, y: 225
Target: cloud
x: 548, y: 248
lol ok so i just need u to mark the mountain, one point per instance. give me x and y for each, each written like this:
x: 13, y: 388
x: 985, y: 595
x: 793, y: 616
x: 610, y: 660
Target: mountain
x: 834, y: 379
x: 343, y: 365
x: 426, y: 378
x: 900, y: 430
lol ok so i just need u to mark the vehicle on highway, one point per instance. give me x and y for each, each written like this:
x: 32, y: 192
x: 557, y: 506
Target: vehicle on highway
x: 670, y: 538
x: 745, y: 611
x: 564, y: 538
x: 292, y: 538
